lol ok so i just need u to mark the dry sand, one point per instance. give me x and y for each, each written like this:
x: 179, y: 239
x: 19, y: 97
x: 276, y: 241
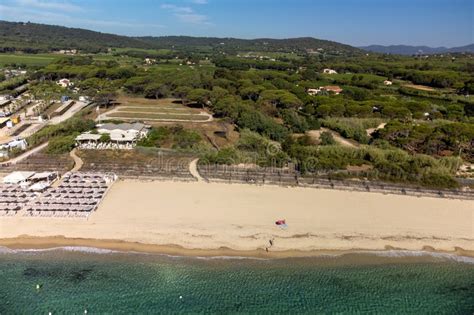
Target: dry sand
x: 235, y: 219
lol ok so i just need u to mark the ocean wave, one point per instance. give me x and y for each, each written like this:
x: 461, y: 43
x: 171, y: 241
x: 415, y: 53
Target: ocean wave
x: 84, y: 249
x: 395, y: 253
x: 230, y: 258
x: 419, y: 253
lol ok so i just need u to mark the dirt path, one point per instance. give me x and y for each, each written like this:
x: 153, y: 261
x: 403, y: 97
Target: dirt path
x: 316, y: 134
x: 77, y: 161
x: 194, y: 171
x: 370, y: 131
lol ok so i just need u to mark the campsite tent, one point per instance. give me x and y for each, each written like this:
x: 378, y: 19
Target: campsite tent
x: 17, y: 177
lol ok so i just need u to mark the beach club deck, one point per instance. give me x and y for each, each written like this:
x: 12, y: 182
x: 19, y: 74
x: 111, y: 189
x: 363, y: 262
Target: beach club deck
x: 77, y: 195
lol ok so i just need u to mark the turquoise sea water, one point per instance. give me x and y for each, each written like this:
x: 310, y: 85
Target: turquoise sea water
x: 120, y: 283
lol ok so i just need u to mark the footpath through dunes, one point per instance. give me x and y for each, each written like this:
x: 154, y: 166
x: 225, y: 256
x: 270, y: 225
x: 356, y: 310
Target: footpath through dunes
x: 77, y: 160
x: 139, y: 163
x: 316, y: 135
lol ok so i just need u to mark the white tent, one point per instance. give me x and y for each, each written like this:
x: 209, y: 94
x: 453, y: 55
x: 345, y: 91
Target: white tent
x: 43, y: 176
x: 17, y: 177
x: 39, y: 186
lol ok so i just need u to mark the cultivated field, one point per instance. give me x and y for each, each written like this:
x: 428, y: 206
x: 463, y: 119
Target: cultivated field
x: 28, y: 59
x: 420, y: 87
x: 165, y: 110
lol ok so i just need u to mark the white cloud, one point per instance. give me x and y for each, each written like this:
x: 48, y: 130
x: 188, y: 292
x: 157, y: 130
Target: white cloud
x: 49, y: 5
x: 187, y: 14
x: 193, y: 18
x: 199, y: 1
x: 177, y: 9
x: 12, y: 13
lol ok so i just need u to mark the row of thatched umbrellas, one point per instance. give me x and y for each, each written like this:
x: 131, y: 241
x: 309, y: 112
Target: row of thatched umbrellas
x: 58, y: 207
x: 9, y: 207
x: 66, y: 201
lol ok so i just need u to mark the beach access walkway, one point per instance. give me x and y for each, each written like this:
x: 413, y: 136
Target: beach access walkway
x: 193, y: 169
x: 77, y: 161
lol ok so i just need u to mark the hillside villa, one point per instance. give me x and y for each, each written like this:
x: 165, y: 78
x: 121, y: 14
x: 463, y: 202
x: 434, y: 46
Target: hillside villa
x: 329, y: 71
x: 64, y: 83
x: 122, y: 136
x: 328, y: 88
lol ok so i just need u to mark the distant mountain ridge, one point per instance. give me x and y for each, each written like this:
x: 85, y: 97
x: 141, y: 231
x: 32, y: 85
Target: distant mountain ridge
x: 33, y: 37
x: 413, y: 50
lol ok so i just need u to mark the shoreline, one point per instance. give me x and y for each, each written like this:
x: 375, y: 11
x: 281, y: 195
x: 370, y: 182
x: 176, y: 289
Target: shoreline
x: 211, y: 219
x: 58, y: 242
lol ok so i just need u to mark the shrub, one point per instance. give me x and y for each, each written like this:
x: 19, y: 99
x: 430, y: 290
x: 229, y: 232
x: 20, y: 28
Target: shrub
x: 61, y: 144
x: 326, y: 138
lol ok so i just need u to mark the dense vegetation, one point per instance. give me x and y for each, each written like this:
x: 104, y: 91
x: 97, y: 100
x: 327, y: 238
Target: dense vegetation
x: 262, y: 89
x: 175, y: 137
x: 34, y: 38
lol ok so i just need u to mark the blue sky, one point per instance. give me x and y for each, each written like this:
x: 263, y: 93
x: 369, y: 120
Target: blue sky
x: 355, y: 22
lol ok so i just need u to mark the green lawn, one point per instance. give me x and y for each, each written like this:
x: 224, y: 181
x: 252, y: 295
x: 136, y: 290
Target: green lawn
x: 28, y: 59
x: 347, y: 76
x: 156, y: 110
x: 145, y: 116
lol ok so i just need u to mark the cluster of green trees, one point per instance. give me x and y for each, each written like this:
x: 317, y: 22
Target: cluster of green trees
x: 352, y: 128
x: 436, y: 71
x: 253, y: 149
x: 268, y: 101
x: 7, y: 86
x: 175, y: 137
x: 437, y: 139
x: 61, y: 144
x: 381, y: 164
x: 34, y: 38
x: 61, y: 136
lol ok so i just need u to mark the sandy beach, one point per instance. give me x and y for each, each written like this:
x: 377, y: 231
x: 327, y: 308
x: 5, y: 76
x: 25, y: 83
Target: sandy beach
x: 233, y: 219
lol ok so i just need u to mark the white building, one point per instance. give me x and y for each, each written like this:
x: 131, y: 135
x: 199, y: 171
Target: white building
x: 121, y: 134
x: 64, y: 83
x: 328, y: 88
x: 150, y: 61
x: 83, y: 98
x: 15, y: 144
x: 387, y: 82
x: 329, y: 71
x: 118, y: 132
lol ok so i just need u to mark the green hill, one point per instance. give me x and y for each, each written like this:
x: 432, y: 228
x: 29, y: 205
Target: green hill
x: 35, y: 38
